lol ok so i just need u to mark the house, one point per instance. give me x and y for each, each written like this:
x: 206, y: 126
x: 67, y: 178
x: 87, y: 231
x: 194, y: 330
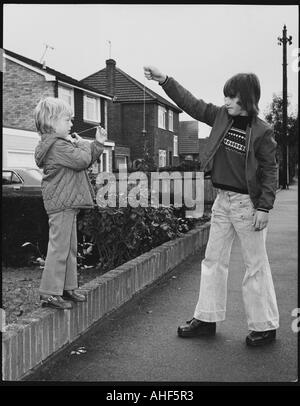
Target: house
x: 188, y: 145
x: 25, y: 82
x: 139, y: 119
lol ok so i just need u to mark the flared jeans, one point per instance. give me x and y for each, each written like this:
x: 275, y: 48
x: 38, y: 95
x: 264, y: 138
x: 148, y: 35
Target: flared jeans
x: 60, y: 272
x: 233, y: 214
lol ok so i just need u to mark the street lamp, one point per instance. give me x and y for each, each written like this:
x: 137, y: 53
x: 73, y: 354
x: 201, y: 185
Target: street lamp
x: 285, y: 152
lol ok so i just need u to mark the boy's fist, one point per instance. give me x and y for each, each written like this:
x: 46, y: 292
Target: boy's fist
x: 152, y: 73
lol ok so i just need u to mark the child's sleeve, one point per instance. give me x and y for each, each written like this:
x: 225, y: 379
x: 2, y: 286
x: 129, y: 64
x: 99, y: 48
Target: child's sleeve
x: 96, y: 150
x: 74, y: 157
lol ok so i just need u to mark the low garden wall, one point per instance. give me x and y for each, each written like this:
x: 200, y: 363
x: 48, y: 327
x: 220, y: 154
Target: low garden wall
x: 44, y: 332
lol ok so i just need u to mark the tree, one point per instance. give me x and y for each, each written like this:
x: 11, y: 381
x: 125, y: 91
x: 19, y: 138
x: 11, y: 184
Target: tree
x: 274, y: 117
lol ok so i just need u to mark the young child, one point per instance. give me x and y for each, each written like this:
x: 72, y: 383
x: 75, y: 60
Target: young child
x: 240, y: 154
x: 65, y: 189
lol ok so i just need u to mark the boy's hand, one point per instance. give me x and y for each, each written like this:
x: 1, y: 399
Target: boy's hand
x: 152, y: 73
x: 260, y: 220
x: 75, y: 138
x: 101, y: 135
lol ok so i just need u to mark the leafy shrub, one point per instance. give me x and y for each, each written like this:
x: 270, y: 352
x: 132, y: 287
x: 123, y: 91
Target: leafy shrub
x: 23, y: 219
x: 106, y: 236
x: 120, y: 234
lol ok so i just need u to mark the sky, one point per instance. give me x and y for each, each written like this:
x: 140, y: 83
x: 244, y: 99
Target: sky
x: 200, y: 45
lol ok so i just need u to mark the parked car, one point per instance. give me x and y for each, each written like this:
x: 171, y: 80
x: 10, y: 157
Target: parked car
x: 21, y: 181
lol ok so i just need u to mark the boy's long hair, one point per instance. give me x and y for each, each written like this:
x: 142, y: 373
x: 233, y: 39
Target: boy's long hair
x: 48, y: 111
x: 246, y: 87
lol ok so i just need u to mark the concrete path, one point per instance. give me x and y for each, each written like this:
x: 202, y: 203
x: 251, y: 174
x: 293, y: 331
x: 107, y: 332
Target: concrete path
x: 139, y: 343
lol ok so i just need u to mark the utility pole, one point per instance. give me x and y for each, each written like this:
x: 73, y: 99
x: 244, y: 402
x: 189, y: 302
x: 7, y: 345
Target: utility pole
x: 285, y: 152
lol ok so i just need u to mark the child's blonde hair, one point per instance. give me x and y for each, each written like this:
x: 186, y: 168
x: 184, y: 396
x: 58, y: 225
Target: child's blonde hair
x: 48, y: 111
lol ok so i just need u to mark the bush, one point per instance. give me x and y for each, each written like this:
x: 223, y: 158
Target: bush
x: 106, y: 236
x: 23, y: 220
x: 121, y: 234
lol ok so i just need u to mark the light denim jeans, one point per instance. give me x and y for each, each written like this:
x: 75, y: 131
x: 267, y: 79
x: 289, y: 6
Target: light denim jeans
x: 232, y: 214
x: 60, y: 272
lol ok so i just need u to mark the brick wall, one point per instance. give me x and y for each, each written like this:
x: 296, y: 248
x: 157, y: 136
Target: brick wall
x: 22, y: 90
x: 43, y: 332
x: 114, y: 123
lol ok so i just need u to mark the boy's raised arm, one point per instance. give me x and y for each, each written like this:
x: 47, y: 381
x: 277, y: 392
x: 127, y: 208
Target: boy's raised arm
x: 196, y: 108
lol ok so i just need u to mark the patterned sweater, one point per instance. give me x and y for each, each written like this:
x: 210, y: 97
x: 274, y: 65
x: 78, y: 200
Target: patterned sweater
x: 228, y: 170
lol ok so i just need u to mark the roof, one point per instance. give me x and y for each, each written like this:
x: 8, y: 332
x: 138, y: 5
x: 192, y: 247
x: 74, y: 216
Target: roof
x: 127, y: 89
x: 59, y: 76
x: 188, y: 142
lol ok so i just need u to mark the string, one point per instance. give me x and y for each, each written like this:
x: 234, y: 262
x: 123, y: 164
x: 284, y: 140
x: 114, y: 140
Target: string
x: 88, y: 129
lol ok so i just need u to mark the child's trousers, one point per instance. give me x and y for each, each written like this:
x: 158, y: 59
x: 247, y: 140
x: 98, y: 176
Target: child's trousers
x: 233, y: 213
x: 60, y: 272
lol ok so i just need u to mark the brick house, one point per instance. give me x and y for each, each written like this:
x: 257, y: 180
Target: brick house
x: 190, y: 146
x: 25, y: 82
x: 131, y: 109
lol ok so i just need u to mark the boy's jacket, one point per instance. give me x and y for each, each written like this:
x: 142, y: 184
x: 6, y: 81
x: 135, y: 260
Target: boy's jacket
x: 65, y: 183
x: 261, y: 166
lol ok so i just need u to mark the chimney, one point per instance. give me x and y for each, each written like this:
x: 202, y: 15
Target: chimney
x: 110, y: 76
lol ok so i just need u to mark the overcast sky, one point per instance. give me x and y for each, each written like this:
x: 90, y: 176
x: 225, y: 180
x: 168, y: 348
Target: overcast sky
x: 199, y: 45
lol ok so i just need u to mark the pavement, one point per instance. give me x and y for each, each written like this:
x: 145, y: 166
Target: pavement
x: 139, y: 342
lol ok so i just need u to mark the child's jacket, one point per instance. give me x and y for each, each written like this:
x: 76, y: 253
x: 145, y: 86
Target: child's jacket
x: 65, y: 183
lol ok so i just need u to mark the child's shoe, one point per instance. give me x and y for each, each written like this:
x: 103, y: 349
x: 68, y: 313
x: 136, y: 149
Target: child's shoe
x: 74, y: 296
x: 56, y: 302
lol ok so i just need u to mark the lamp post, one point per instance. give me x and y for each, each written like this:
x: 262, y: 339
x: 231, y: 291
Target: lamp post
x: 285, y: 152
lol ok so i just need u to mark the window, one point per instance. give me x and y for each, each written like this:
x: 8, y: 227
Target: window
x: 162, y: 156
x: 162, y: 115
x: 121, y: 160
x: 171, y: 120
x: 175, y: 145
x: 67, y: 94
x: 10, y: 178
x: 91, y: 109
x: 102, y: 163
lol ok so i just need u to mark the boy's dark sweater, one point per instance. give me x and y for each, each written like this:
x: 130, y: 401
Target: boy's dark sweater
x: 228, y: 170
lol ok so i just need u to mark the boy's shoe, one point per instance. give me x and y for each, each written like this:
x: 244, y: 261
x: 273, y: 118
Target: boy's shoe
x: 196, y: 328
x: 56, y: 302
x: 72, y: 295
x: 257, y: 338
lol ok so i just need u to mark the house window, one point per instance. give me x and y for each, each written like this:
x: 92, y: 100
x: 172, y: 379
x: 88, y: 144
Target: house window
x: 91, y: 109
x: 162, y: 158
x: 102, y: 163
x: 175, y: 145
x: 67, y: 94
x: 121, y: 160
x: 162, y: 115
x: 171, y: 128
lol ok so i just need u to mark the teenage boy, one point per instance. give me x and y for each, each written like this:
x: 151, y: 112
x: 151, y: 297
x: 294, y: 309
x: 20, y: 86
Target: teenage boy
x: 240, y: 154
